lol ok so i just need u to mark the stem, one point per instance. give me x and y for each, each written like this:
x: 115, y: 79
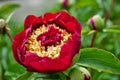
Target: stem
x: 3, y: 71
x: 10, y: 37
x: 107, y: 15
x: 103, y: 7
x: 119, y: 57
x: 68, y: 78
x: 93, y: 39
x: 4, y: 30
x: 117, y: 17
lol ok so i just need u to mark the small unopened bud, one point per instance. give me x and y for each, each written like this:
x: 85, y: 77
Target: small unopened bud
x: 86, y: 73
x: 80, y: 73
x: 96, y: 22
x: 66, y: 3
x: 2, y: 23
x: 3, y: 26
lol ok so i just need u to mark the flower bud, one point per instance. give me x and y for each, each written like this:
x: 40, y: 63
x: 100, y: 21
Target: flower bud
x: 2, y: 23
x: 96, y: 22
x: 80, y: 73
x: 66, y: 3
x: 3, y: 26
x: 86, y: 73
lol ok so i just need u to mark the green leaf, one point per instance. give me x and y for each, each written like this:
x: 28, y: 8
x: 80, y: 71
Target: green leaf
x: 84, y: 31
x: 83, y: 3
x: 8, y: 8
x: 16, y: 68
x: 25, y: 76
x: 52, y: 76
x: 100, y: 60
x: 112, y: 30
x: 114, y: 27
x: 9, y: 17
x: 76, y: 58
x: 62, y: 76
x: 91, y: 32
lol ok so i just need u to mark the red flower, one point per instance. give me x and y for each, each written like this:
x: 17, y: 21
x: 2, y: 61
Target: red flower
x: 49, y: 43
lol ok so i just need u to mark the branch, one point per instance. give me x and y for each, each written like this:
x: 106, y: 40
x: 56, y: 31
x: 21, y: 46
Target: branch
x: 10, y: 37
x: 107, y: 15
x: 93, y: 39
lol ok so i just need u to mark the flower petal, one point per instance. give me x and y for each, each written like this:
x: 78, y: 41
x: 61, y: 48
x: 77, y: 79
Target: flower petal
x: 77, y: 25
x: 55, y: 65
x: 38, y: 22
x: 29, y: 21
x: 41, y: 64
x: 49, y: 17
x: 15, y: 46
x: 76, y: 38
x: 70, y: 27
x: 18, y: 44
x: 68, y: 22
x: 29, y: 58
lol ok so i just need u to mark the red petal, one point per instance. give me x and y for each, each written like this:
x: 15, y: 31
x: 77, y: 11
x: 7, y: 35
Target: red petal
x: 29, y: 21
x: 64, y: 16
x: 77, y: 26
x: 77, y: 42
x: 18, y: 44
x: 68, y: 22
x: 67, y: 49
x: 15, y: 46
x: 70, y: 27
x: 49, y: 17
x: 49, y: 65
x: 28, y: 58
x: 38, y: 22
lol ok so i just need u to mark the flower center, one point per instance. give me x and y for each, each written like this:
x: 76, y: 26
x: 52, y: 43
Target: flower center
x: 46, y: 41
x: 51, y: 37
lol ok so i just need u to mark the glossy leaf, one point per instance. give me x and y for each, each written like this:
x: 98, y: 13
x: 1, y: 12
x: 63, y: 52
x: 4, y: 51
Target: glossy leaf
x: 16, y: 68
x: 8, y: 8
x: 111, y: 30
x: 25, y: 76
x: 9, y: 17
x: 83, y: 3
x: 100, y: 60
x: 48, y: 76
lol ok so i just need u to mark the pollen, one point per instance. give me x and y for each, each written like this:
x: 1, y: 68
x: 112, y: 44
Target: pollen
x: 52, y: 51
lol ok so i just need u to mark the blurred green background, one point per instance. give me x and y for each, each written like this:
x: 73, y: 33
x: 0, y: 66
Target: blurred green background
x: 107, y: 38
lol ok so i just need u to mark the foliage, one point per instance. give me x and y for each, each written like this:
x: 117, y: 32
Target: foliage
x: 8, y: 8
